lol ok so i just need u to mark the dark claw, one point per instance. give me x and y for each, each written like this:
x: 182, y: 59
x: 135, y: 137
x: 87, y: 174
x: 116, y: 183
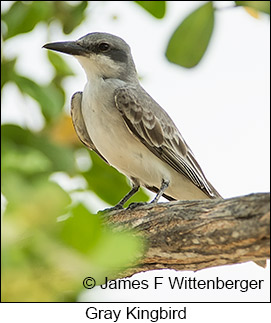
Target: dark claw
x: 135, y: 205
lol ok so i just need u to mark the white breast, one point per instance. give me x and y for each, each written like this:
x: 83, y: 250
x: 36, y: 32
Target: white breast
x: 122, y: 149
x: 112, y: 138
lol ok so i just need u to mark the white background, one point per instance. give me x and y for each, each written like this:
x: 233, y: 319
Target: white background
x: 221, y: 107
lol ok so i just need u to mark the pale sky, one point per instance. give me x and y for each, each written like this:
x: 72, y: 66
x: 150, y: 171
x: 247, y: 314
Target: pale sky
x: 221, y: 108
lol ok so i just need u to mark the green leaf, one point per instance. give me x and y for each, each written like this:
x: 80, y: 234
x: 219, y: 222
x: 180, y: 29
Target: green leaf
x: 15, y: 139
x: 62, y: 68
x: 23, y: 16
x: 190, y: 40
x: 105, y: 248
x: 263, y: 6
x: 30, y: 248
x: 38, y: 200
x: 117, y: 250
x: 108, y: 183
x: 69, y: 15
x: 155, y: 8
x: 7, y: 71
x: 50, y: 97
x: 26, y: 160
x: 81, y: 230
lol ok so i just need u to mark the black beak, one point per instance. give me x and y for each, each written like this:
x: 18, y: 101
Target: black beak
x: 67, y: 47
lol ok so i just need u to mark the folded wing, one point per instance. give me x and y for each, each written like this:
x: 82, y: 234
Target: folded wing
x: 147, y: 121
x: 79, y: 124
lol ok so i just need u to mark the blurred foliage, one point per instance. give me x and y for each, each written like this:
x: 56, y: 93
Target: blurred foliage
x: 23, y: 16
x: 50, y: 243
x: 155, y: 8
x: 263, y: 6
x: 190, y: 40
x: 252, y: 12
x: 44, y: 260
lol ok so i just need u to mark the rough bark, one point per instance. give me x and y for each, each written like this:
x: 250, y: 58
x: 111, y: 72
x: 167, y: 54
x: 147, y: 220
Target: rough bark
x: 192, y: 235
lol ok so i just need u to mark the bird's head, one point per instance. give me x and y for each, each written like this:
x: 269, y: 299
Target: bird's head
x: 101, y: 55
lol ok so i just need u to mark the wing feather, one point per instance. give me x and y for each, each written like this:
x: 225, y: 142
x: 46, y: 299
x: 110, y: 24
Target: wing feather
x: 79, y: 124
x: 154, y: 128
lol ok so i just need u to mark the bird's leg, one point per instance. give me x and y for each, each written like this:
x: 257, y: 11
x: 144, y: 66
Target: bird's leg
x: 163, y: 187
x: 134, y: 189
x: 119, y: 206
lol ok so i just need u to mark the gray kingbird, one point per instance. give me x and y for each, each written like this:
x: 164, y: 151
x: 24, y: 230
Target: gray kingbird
x: 124, y: 125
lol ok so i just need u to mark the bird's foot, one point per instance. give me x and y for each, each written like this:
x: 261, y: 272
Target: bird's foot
x: 134, y: 205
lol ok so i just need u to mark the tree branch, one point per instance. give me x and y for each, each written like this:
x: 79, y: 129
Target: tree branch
x: 192, y: 235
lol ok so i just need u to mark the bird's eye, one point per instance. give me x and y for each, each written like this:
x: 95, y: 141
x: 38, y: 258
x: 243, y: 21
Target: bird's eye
x: 104, y: 47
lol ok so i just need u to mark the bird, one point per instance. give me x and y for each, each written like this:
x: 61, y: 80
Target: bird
x: 115, y: 117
